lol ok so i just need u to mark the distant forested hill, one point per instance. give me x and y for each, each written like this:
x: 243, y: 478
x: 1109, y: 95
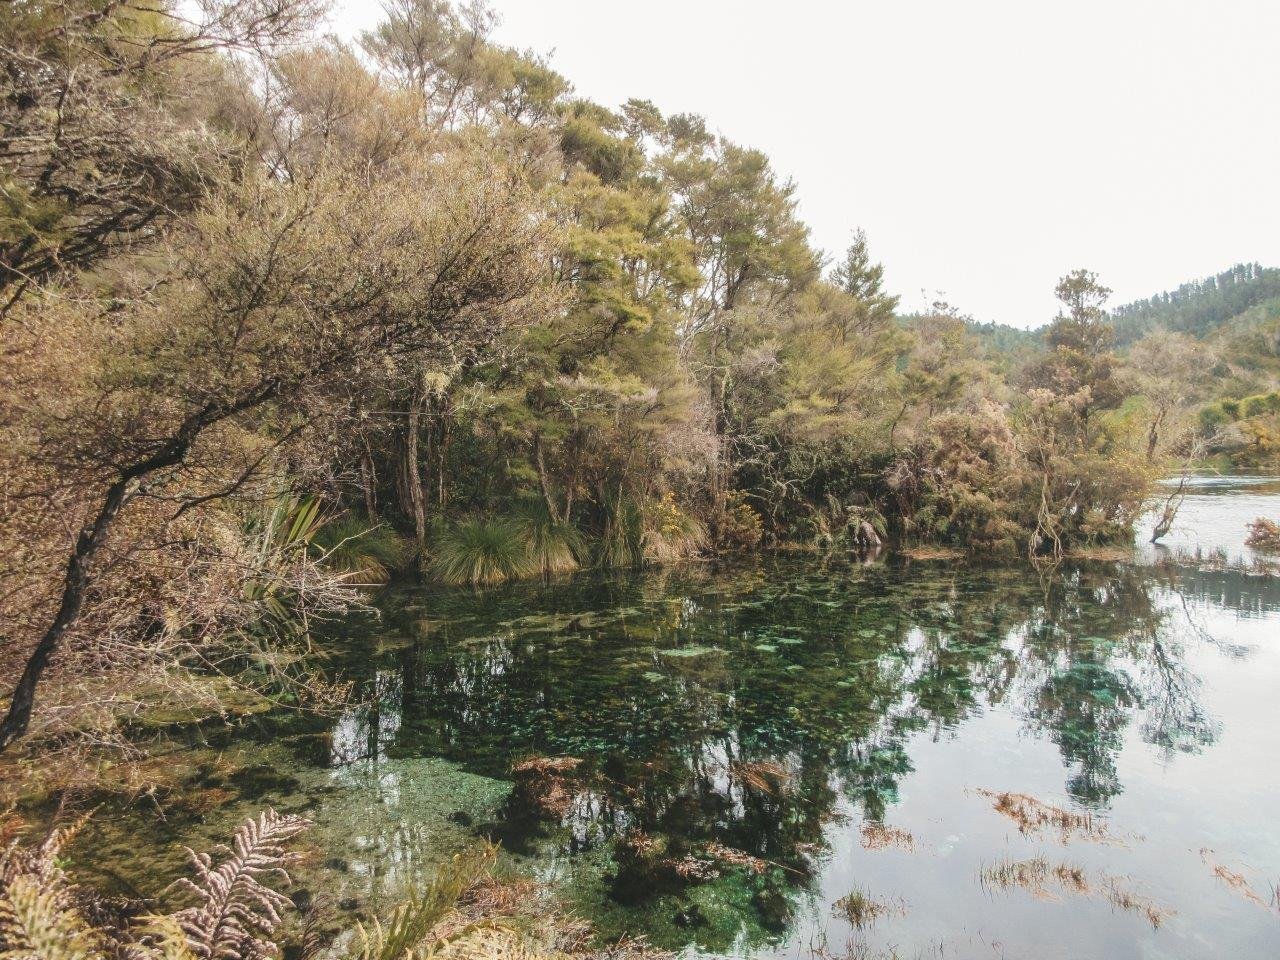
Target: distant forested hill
x: 1230, y: 307
x: 1225, y: 307
x: 1002, y: 338
x: 1201, y: 307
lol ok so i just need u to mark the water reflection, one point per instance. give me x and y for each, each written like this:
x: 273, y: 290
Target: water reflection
x: 749, y: 710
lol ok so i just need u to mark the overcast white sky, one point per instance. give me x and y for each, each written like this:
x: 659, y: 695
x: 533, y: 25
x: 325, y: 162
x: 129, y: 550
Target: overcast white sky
x: 986, y: 146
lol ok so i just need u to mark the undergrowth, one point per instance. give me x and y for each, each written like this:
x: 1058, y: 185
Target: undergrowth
x: 236, y: 910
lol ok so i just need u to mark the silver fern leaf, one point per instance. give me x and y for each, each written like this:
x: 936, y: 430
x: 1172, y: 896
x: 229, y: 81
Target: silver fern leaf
x: 237, y: 912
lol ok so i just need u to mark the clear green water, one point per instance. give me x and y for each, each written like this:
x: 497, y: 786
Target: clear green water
x: 894, y: 692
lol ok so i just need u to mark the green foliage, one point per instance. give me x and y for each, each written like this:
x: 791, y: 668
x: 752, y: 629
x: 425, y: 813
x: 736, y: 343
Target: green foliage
x: 1253, y: 423
x: 838, y: 527
x: 407, y: 933
x: 1081, y: 361
x: 670, y: 532
x: 489, y: 291
x: 959, y: 483
x: 278, y: 534
x: 1002, y: 339
x: 863, y: 280
x: 740, y: 525
x: 588, y: 136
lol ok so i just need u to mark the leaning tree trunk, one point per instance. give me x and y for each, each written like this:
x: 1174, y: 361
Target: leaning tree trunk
x: 169, y: 453
x: 75, y: 586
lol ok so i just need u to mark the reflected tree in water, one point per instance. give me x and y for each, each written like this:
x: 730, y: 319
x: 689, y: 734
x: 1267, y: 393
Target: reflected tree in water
x: 676, y: 690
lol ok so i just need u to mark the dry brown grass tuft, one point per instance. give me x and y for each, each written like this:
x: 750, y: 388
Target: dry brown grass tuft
x: 1034, y: 817
x: 862, y: 910
x: 1263, y: 534
x: 475, y: 915
x: 547, y: 765
x: 1044, y: 880
x: 544, y: 784
x: 736, y: 858
x: 1102, y: 553
x: 764, y: 776
x: 694, y: 869
x: 1237, y: 881
x: 927, y: 552
x: 1122, y: 898
x: 879, y: 836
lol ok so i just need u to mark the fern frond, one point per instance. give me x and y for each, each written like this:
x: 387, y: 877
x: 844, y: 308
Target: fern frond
x: 164, y: 940
x: 237, y: 910
x: 407, y: 931
x: 40, y: 862
x: 36, y: 923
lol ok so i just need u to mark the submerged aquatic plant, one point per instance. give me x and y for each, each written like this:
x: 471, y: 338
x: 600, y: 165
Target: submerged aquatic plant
x: 482, y: 551
x: 544, y: 786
